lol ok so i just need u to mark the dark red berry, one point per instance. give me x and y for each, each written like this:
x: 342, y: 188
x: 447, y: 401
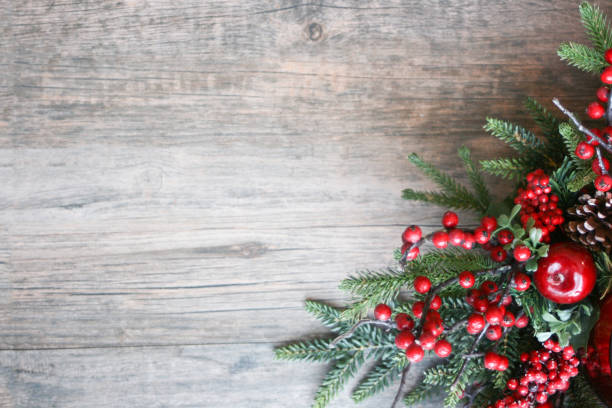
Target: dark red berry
x: 404, y: 339
x: 427, y: 340
x: 491, y: 361
x: 466, y: 279
x: 490, y: 223
x: 505, y: 237
x: 412, y: 234
x: 595, y: 110
x: 443, y: 348
x: 608, y: 56
x: 597, y: 168
x: 603, y: 183
x: 522, y: 390
x: 494, y: 333
x: 482, y: 235
x: 521, y: 282
x: 521, y: 321
x: 404, y: 322
x: 495, y: 314
x: 488, y: 287
x: 434, y: 327
x: 382, y: 312
x: 475, y: 323
x: 456, y: 236
x: 468, y: 240
x: 522, y: 253
x: 415, y: 353
x: 417, y: 309
x: 503, y: 363
x: 498, y: 254
x: 440, y: 239
x: 606, y: 76
x: 508, y: 320
x: 450, y: 219
x: 512, y: 384
x: 436, y: 302
x: 584, y: 151
x: 602, y: 94
x: 422, y: 284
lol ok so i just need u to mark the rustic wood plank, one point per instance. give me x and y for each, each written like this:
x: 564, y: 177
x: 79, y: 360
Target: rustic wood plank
x: 185, y: 376
x: 189, y: 173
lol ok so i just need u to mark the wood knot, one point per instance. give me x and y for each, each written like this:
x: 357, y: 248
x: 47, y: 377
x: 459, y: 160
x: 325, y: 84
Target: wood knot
x: 314, y: 31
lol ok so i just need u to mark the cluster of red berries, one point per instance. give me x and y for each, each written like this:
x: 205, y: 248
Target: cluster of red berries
x: 537, y: 202
x: 458, y: 237
x: 596, y: 110
x: 410, y: 237
x: 546, y: 371
x: 489, y: 307
x: 431, y: 330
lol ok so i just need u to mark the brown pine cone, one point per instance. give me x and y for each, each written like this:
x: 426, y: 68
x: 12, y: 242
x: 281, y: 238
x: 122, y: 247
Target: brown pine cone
x: 589, y: 222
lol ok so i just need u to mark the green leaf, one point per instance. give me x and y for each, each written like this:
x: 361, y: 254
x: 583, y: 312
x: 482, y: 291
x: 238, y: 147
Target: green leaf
x: 503, y: 220
x: 549, y: 318
x: 531, y: 265
x: 564, y: 315
x: 543, y: 336
x: 535, y: 234
x: 515, y: 211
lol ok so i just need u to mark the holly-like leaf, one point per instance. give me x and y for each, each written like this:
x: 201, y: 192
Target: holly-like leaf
x: 531, y: 265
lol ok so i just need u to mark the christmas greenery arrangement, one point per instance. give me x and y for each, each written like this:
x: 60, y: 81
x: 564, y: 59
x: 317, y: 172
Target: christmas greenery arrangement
x: 507, y: 307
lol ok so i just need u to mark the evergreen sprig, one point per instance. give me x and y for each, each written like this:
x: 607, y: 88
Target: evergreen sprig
x: 454, y: 194
x: 379, y: 377
x: 581, y: 394
x: 511, y: 168
x: 546, y: 121
x: 582, y: 57
x: 514, y: 136
x: 478, y: 183
x: 336, y: 378
x: 596, y: 26
x: 329, y: 316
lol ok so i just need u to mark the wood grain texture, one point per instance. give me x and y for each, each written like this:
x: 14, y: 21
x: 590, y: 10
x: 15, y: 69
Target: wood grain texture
x: 182, y: 175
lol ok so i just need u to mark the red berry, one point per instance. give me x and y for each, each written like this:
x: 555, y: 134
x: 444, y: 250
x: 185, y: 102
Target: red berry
x: 603, y: 183
x: 512, y: 384
x: 507, y: 300
x: 522, y: 253
x: 495, y: 314
x: 521, y: 321
x: 584, y: 151
x: 503, y: 363
x: 404, y: 339
x: 468, y: 240
x: 597, y: 168
x: 522, y: 390
x: 443, y: 348
x: 521, y: 282
x: 482, y: 235
x: 450, y: 219
x: 427, y: 341
x: 404, y: 322
x: 608, y: 56
x: 414, y: 353
x: 433, y: 315
x: 412, y: 234
x: 434, y: 327
x: 602, y: 94
x: 472, y: 295
x: 568, y: 352
x: 541, y: 397
x: 382, y: 312
x: 508, y: 320
x: 466, y: 279
x: 488, y: 287
x: 505, y: 237
x: 498, y: 254
x: 436, y: 302
x: 606, y: 76
x: 412, y: 254
x: 567, y: 274
x: 456, y: 237
x: 417, y: 309
x: 494, y: 333
x: 491, y: 361
x: 490, y: 223
x: 595, y: 110
x: 475, y: 323
x: 481, y: 304
x: 440, y: 239
x: 591, y: 140
x: 422, y: 284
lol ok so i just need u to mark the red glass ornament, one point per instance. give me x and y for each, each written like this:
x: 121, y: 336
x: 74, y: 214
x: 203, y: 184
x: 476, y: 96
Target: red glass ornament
x: 600, y: 353
x: 567, y: 274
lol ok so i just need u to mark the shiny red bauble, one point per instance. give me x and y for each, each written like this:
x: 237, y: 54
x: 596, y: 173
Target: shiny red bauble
x: 567, y: 275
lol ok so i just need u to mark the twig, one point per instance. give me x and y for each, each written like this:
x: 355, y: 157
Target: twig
x: 473, y: 355
x: 580, y: 127
x: 600, y: 161
x: 472, y: 394
x: 388, y: 325
x: 455, y: 327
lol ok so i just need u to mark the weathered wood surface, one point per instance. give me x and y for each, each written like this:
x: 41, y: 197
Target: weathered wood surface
x: 177, y: 177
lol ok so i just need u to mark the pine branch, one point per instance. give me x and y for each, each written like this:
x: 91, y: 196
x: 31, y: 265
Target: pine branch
x: 582, y: 57
x: 596, y: 26
x: 515, y: 136
x: 336, y: 378
x: 512, y: 168
x: 315, y: 350
x: 329, y: 316
x: 571, y: 138
x: 559, y: 181
x: 478, y: 183
x: 581, y: 179
x: 419, y: 393
x: 379, y: 377
x: 454, y: 195
x: 545, y: 120
x: 581, y: 395
x: 509, y: 348
x: 602, y: 143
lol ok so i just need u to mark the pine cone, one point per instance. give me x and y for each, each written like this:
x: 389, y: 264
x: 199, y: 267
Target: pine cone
x: 590, y: 221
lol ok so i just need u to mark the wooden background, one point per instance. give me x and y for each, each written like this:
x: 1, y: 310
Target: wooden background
x: 178, y: 176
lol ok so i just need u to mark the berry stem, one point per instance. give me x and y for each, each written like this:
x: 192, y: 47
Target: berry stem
x: 580, y: 127
x: 600, y: 161
x: 608, y: 114
x: 388, y: 325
